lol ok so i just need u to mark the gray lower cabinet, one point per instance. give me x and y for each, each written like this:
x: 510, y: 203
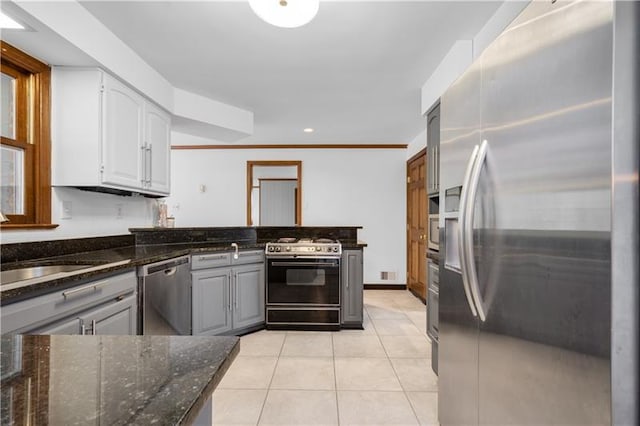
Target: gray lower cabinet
x: 107, y: 304
x: 227, y: 299
x: 248, y: 294
x: 117, y: 318
x: 211, y: 309
x: 352, y: 288
x: 68, y: 326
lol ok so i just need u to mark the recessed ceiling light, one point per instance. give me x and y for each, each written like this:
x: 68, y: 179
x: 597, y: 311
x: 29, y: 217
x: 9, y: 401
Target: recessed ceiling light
x: 308, y: 130
x: 286, y: 13
x: 8, y: 23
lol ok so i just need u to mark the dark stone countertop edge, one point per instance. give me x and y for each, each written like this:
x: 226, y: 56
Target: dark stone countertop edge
x: 207, y: 392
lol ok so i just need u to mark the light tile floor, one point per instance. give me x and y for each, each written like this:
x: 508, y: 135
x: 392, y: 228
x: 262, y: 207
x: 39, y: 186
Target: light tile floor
x: 379, y: 375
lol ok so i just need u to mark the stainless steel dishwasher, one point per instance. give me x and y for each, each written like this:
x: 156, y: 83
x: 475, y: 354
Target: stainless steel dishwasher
x: 165, y: 297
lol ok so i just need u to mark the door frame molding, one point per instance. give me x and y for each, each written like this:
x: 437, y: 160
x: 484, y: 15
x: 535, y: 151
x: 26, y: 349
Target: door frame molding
x: 296, y: 163
x: 422, y: 152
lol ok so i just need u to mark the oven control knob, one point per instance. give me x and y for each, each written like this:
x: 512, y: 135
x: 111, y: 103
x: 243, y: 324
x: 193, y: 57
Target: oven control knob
x: 288, y: 248
x: 335, y: 249
x: 277, y: 248
x: 318, y: 248
x: 271, y: 248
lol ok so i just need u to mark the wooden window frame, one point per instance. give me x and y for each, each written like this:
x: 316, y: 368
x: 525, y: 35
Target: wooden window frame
x: 33, y: 135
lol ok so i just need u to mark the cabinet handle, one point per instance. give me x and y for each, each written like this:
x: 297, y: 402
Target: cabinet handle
x: 93, y: 286
x: 150, y: 164
x: 143, y: 149
x: 230, y: 290
x: 83, y: 329
x: 93, y: 327
x: 235, y: 291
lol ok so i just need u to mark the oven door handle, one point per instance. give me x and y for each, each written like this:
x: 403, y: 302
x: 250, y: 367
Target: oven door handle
x: 316, y: 264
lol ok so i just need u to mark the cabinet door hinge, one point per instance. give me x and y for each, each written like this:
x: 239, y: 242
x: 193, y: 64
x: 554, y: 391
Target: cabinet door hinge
x: 102, y: 168
x: 102, y: 88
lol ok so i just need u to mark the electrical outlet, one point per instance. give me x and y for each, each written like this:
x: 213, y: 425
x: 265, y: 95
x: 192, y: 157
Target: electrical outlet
x: 119, y: 211
x: 67, y: 209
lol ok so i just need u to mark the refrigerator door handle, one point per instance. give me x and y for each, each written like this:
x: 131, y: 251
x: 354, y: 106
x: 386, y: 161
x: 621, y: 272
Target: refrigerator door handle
x: 464, y: 268
x: 472, y: 274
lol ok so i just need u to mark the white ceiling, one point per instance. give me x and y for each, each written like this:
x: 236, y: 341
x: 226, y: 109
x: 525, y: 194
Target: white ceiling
x: 354, y: 73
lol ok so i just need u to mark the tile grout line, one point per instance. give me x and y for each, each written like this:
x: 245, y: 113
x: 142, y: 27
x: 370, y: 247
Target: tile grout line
x: 404, y: 392
x: 406, y: 395
x: 335, y: 379
x: 271, y: 380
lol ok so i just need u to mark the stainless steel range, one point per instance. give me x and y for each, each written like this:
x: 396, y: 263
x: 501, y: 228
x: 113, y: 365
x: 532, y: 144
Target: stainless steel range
x: 303, y: 284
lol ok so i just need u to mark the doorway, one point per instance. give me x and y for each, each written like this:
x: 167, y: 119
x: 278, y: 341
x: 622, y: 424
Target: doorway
x: 274, y: 193
x: 277, y: 202
x: 417, y: 224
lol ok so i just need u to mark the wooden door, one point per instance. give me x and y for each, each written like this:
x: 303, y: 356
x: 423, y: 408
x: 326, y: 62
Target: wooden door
x: 417, y: 224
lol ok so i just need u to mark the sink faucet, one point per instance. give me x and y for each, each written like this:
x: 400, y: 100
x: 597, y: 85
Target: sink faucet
x: 235, y: 246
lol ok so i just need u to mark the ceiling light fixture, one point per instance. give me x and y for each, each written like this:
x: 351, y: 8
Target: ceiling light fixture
x: 286, y: 13
x: 308, y: 130
x: 8, y: 23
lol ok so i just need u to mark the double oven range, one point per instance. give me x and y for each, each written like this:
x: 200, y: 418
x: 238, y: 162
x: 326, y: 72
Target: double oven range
x: 303, y: 284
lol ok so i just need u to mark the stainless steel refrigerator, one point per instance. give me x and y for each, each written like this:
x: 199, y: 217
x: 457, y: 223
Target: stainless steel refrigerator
x: 533, y: 137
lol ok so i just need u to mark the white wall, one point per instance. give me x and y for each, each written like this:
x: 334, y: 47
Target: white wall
x: 418, y: 143
x: 454, y: 63
x: 347, y: 187
x: 93, y: 214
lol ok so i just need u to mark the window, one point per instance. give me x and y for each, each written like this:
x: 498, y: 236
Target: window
x: 25, y: 151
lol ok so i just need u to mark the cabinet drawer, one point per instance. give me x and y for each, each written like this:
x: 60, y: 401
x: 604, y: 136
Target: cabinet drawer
x: 253, y: 256
x: 434, y: 275
x: 41, y: 310
x: 210, y: 260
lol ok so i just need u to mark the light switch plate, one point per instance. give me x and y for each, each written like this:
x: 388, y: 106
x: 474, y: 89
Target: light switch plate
x: 67, y: 210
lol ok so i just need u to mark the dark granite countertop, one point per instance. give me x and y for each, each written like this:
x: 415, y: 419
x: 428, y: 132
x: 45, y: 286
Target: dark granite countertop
x: 115, y: 380
x: 115, y: 254
x: 112, y: 260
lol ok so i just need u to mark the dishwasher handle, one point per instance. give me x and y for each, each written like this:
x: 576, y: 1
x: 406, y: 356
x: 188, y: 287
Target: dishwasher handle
x: 165, y: 266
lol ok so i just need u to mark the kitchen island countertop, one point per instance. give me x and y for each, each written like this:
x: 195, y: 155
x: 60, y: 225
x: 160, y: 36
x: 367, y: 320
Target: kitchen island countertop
x: 162, y: 380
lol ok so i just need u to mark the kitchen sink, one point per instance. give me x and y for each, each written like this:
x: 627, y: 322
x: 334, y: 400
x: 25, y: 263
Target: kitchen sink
x: 15, y: 275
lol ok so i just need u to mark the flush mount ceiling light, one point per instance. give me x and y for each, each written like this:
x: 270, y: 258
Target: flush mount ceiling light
x: 8, y: 23
x: 286, y: 13
x: 308, y: 130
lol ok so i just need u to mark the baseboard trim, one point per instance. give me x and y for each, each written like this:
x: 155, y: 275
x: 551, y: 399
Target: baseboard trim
x: 385, y: 286
x: 418, y: 296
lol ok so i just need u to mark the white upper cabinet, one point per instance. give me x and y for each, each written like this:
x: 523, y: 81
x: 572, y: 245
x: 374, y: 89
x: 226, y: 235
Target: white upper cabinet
x: 106, y: 136
x: 122, y: 145
x: 157, y: 143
